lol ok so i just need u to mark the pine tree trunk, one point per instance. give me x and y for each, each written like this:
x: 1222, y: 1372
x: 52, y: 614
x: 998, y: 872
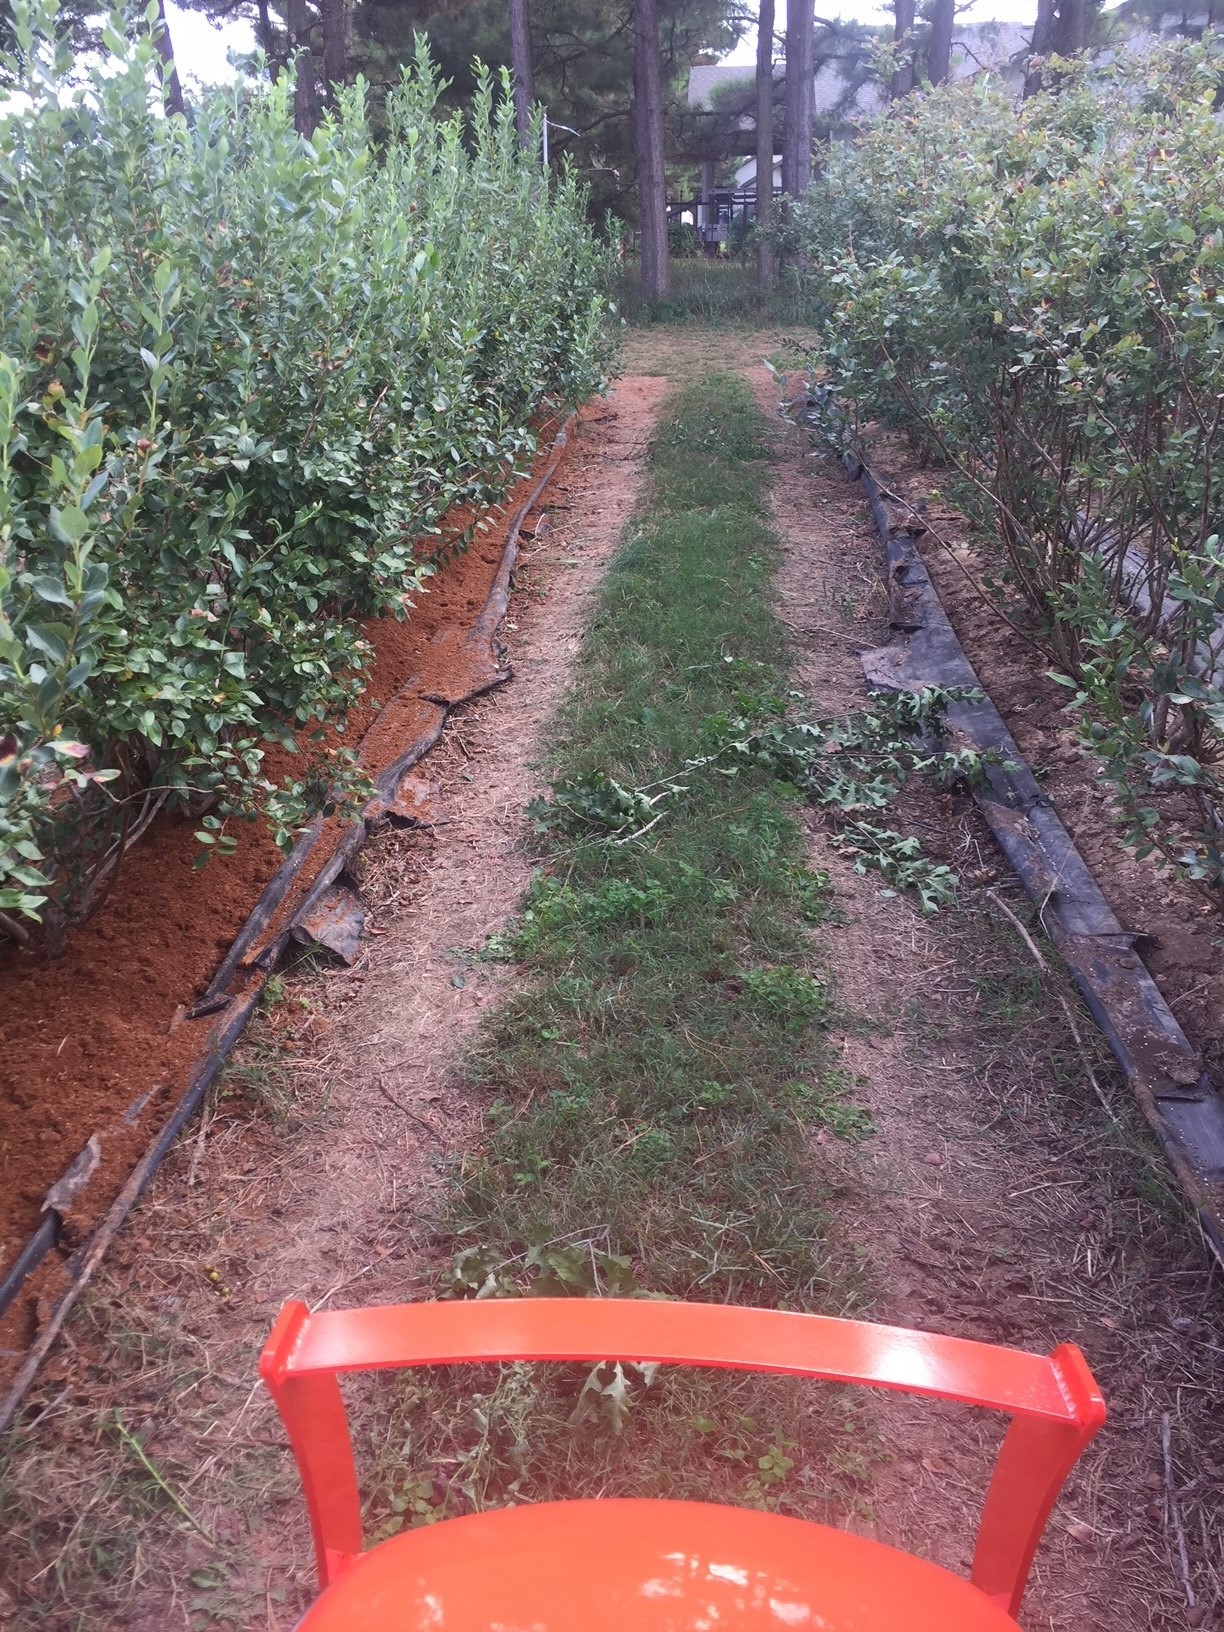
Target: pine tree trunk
x: 765, y: 143
x: 648, y: 133
x: 521, y: 68
x: 939, y: 53
x: 1043, y: 44
x: 800, y: 71
x: 305, y: 94
x: 1071, y: 27
x: 335, y: 46
x: 903, y: 76
x: 171, y: 88
x: 267, y: 40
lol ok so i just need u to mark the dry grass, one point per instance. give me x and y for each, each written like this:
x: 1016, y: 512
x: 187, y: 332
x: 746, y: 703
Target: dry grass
x: 1112, y: 1260
x: 1048, y: 1215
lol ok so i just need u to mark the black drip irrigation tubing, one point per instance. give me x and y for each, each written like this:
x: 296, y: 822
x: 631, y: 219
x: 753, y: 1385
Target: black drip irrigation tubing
x: 238, y: 984
x: 1164, y: 1069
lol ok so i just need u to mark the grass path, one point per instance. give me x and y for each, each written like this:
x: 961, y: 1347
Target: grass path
x: 662, y: 1067
x: 652, y: 1033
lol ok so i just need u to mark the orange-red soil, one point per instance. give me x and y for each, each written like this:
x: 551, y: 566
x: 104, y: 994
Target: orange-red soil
x: 94, y: 1041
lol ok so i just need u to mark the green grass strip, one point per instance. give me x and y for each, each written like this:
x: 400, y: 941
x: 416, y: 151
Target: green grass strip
x: 721, y: 293
x: 661, y: 1070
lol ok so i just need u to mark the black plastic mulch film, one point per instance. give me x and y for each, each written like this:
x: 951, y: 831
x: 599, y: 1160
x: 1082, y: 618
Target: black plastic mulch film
x: 1163, y: 1067
x: 234, y: 991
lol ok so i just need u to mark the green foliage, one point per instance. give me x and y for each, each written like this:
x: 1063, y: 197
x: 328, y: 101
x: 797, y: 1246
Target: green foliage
x: 900, y: 859
x: 1036, y: 296
x: 854, y: 765
x: 790, y: 996
x: 553, y: 909
x: 848, y: 764
x: 242, y: 378
x: 591, y: 803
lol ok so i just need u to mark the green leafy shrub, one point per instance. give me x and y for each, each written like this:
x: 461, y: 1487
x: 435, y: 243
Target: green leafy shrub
x: 1036, y: 296
x: 242, y: 378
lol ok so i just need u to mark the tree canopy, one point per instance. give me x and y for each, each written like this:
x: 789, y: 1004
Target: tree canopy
x: 583, y: 65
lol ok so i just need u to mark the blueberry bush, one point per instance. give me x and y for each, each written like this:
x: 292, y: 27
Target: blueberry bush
x: 1035, y: 295
x: 243, y: 377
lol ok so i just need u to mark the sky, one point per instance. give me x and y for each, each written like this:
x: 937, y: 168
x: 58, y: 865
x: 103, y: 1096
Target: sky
x: 200, y: 49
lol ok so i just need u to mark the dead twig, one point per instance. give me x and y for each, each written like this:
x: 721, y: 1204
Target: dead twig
x: 197, y: 1152
x: 410, y: 1114
x: 1079, y: 1043
x: 1174, y: 1511
x: 1020, y: 930
x: 1041, y: 963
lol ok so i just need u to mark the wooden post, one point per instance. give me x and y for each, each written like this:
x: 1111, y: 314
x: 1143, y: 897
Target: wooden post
x: 706, y: 191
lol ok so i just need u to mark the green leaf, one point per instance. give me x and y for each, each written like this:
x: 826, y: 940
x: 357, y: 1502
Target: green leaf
x: 70, y: 524
x: 51, y: 590
x: 48, y: 639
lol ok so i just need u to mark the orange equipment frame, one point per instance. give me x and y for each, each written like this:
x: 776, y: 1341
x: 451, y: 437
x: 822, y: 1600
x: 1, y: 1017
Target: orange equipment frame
x: 1053, y: 1400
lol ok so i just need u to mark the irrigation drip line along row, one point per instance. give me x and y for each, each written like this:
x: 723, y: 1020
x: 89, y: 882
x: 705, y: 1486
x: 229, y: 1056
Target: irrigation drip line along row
x: 235, y: 989
x: 1163, y: 1067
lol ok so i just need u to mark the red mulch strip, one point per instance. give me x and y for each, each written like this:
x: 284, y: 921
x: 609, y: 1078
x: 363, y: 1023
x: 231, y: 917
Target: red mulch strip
x: 85, y: 1037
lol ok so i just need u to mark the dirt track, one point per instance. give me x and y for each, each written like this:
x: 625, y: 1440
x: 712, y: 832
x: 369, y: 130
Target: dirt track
x: 94, y: 1042
x: 997, y: 1197
x: 312, y: 1172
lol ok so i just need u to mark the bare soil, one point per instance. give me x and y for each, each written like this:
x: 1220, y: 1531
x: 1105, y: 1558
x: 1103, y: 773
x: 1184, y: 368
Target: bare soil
x: 1010, y: 1191
x: 313, y: 1171
x: 93, y: 1042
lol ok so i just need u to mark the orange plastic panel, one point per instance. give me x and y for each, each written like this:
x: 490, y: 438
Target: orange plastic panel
x: 622, y: 1566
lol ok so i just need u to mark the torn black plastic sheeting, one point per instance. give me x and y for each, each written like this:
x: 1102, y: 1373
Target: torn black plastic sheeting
x: 260, y: 964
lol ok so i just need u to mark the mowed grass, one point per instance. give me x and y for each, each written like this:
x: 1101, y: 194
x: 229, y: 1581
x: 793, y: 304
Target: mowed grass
x: 664, y: 1065
x: 712, y: 291
x: 659, y: 1078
